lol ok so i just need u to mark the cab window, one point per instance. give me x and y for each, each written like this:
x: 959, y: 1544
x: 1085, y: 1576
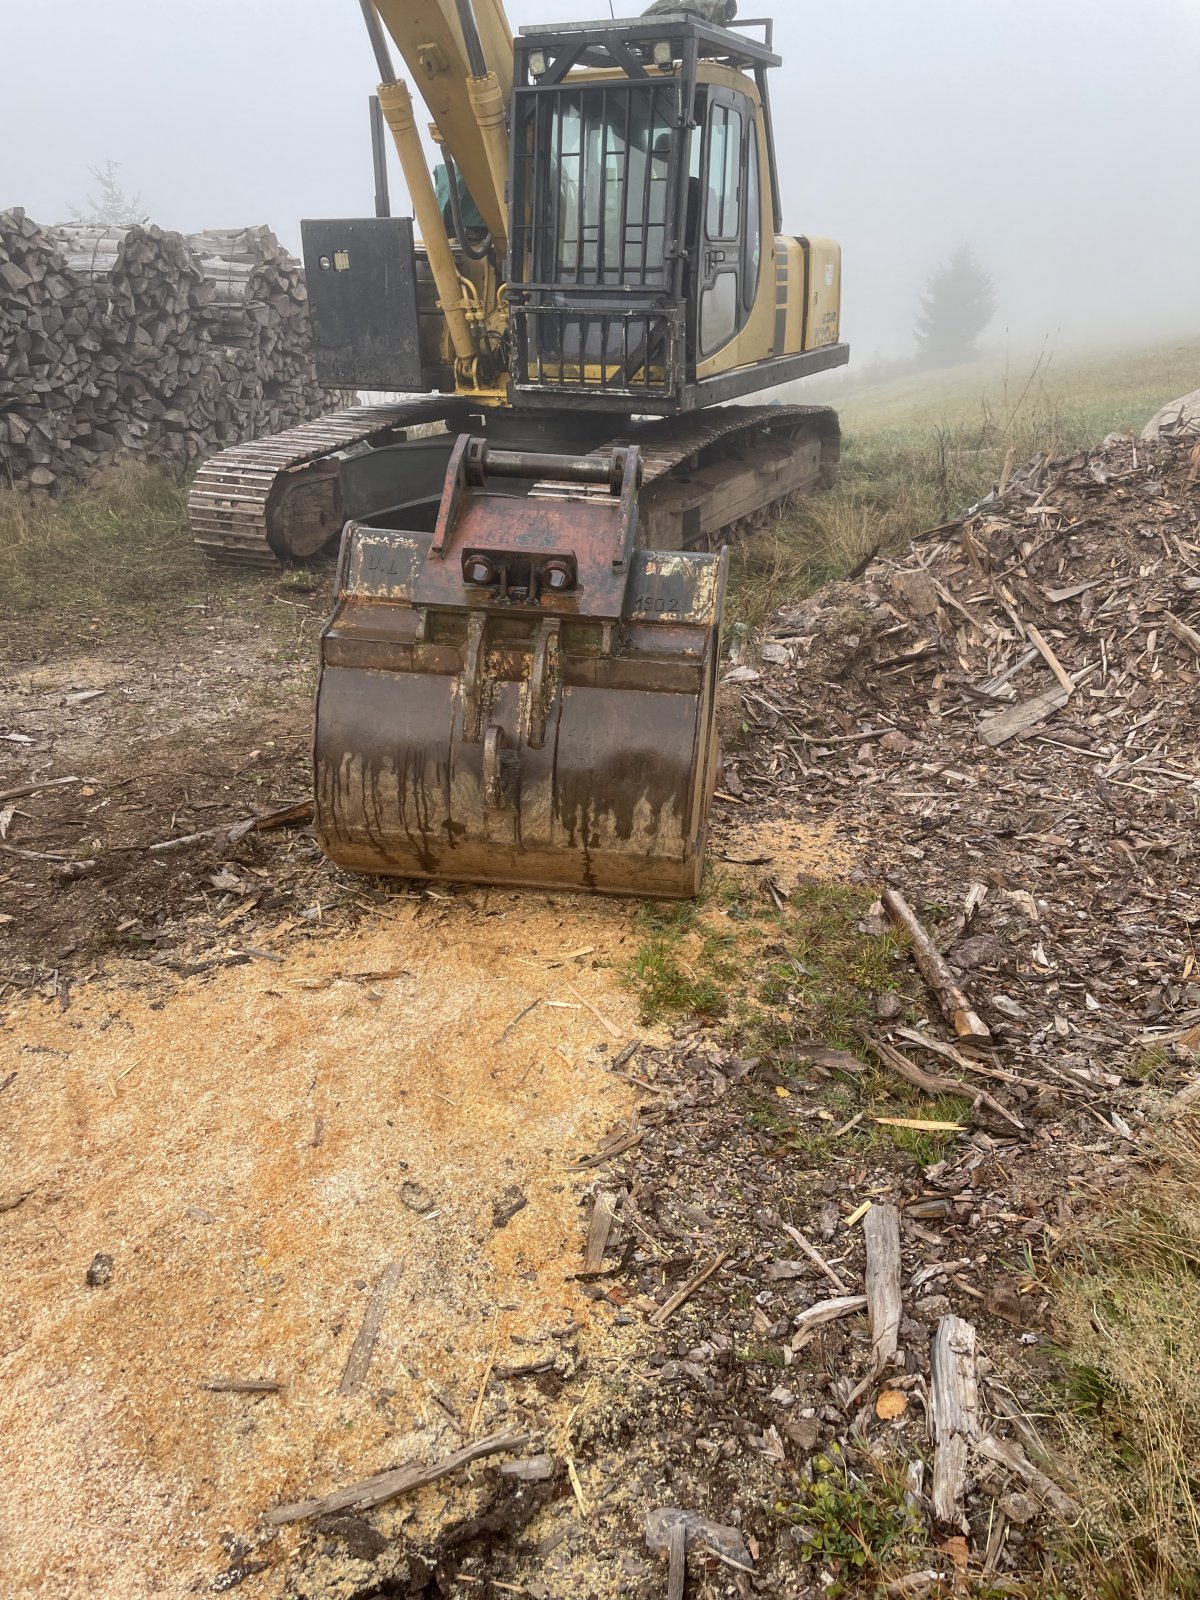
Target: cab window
x: 724, y: 173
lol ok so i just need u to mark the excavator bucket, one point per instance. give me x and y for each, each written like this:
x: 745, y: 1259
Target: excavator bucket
x: 521, y: 696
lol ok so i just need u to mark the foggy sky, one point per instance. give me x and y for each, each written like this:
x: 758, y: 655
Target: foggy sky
x: 1057, y: 137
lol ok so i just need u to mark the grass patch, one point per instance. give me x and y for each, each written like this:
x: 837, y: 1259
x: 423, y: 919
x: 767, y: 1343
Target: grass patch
x: 1129, y: 1314
x: 923, y: 1146
x: 777, y: 977
x: 858, y: 1524
x: 121, y: 539
x: 114, y: 556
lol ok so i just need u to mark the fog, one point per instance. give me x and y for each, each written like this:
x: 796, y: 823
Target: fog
x: 1057, y: 137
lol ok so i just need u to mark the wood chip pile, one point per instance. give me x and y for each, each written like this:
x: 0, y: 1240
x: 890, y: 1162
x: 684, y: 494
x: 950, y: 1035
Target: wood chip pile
x: 1016, y: 701
x: 116, y: 341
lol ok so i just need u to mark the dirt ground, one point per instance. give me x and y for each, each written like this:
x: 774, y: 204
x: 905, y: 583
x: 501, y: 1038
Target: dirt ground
x: 237, y: 1086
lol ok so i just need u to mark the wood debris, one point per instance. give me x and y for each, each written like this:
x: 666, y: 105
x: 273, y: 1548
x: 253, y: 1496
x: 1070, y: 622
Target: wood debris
x: 935, y: 971
x: 363, y: 1348
x: 881, y: 1233
x: 387, y: 1485
x: 955, y: 1416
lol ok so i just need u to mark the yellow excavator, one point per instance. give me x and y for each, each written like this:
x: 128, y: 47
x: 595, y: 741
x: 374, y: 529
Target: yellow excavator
x: 518, y: 680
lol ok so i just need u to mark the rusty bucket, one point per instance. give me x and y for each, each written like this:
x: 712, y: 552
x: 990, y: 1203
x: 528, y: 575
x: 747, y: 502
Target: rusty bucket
x: 521, y: 697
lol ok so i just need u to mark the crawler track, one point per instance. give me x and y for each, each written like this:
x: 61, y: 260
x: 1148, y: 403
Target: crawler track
x: 710, y: 476
x: 230, y: 503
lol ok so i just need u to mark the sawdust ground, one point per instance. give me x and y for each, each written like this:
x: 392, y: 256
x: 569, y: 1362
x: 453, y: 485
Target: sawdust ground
x: 791, y: 849
x: 134, y: 1121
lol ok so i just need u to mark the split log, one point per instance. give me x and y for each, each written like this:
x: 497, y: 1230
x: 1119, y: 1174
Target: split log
x: 955, y: 1416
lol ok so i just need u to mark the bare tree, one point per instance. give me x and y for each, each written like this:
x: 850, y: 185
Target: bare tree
x: 111, y: 207
x: 958, y: 303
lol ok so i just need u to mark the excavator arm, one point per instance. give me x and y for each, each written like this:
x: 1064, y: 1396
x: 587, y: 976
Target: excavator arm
x: 464, y: 73
x: 459, y: 56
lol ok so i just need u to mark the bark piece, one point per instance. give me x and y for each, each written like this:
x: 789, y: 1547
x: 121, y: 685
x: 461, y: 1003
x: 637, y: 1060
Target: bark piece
x: 363, y: 1347
x: 1005, y: 725
x: 603, y: 1214
x: 387, y: 1485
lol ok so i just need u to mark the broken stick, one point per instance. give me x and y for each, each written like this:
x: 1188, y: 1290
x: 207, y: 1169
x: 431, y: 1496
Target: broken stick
x: 935, y: 1083
x: 363, y: 1347
x: 387, y: 1485
x: 688, y: 1290
x: 242, y: 1386
x: 935, y: 971
x: 815, y: 1257
x: 1007, y: 1453
x: 24, y: 789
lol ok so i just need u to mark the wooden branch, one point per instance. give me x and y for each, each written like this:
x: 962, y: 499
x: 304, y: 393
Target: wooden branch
x: 233, y: 833
x: 935, y: 1083
x: 881, y: 1233
x: 363, y: 1348
x: 955, y: 1416
x: 294, y: 815
x: 816, y: 1258
x: 387, y: 1485
x: 24, y: 789
x: 668, y: 1310
x: 934, y: 970
x: 1008, y: 1453
x: 44, y: 855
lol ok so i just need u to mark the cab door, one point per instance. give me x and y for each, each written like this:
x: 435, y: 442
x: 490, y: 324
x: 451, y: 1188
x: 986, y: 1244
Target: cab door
x: 730, y: 222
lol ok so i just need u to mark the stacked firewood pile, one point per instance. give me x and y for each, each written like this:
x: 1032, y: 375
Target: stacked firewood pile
x: 116, y: 341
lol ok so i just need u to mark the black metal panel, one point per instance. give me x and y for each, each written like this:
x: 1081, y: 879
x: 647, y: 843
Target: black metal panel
x: 362, y: 298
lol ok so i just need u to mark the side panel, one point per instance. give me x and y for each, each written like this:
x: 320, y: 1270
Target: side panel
x: 823, y: 306
x: 362, y: 295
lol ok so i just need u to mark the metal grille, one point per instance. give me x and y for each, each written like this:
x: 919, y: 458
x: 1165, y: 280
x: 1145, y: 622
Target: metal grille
x: 595, y: 279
